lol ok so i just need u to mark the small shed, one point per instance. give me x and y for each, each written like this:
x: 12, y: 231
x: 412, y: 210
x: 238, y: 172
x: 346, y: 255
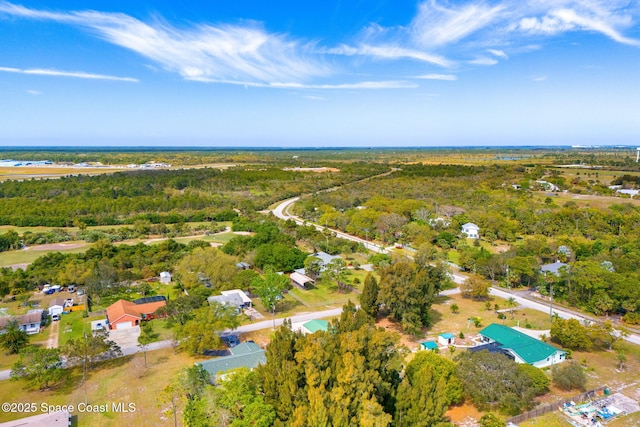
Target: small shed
x: 300, y: 280
x: 429, y: 345
x: 446, y: 339
x: 165, y: 277
x: 56, y: 306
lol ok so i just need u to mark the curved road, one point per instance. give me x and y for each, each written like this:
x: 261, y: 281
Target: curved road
x: 282, y: 211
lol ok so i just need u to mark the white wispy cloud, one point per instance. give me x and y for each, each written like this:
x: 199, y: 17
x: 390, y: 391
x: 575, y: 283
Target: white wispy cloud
x: 539, y: 78
x: 448, y: 33
x: 446, y: 77
x: 442, y: 34
x: 34, y: 92
x: 498, y: 53
x: 438, y: 25
x: 390, y: 51
x: 607, y: 17
x: 385, y: 84
x: 483, y: 61
x: 57, y: 73
x: 199, y: 52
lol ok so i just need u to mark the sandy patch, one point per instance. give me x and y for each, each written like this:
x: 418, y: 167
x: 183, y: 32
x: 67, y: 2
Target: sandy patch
x: 464, y: 415
x: 22, y: 265
x: 405, y: 340
x: 55, y: 247
x: 244, y: 233
x: 318, y: 170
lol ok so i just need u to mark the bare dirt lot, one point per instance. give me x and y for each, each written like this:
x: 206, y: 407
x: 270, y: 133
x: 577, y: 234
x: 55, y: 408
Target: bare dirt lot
x: 55, y: 247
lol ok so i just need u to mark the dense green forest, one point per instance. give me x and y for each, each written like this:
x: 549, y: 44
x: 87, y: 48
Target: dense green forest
x: 163, y: 196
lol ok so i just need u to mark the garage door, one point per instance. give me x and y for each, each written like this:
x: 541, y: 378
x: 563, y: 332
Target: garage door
x: 124, y: 325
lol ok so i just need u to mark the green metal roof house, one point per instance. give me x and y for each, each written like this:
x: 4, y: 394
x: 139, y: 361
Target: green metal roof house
x: 522, y: 347
x: 244, y: 355
x: 428, y: 345
x: 316, y: 325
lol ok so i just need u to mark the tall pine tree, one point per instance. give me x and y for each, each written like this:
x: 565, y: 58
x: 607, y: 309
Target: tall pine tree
x: 369, y: 296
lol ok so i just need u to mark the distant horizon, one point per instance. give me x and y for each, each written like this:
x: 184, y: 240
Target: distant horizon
x: 304, y: 148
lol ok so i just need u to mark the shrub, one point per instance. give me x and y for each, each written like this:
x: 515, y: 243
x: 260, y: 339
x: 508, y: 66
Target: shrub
x: 569, y: 376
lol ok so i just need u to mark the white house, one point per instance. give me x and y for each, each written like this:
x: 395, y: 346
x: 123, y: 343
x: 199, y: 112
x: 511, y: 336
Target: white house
x: 471, y: 230
x: 235, y: 298
x: 518, y: 346
x: 165, y: 277
x: 30, y: 322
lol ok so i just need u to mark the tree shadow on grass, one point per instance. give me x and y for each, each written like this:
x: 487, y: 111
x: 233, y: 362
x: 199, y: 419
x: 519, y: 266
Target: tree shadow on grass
x: 286, y: 305
x: 436, y: 317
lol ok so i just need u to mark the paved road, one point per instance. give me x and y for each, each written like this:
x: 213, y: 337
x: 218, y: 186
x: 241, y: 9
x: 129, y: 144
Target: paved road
x: 282, y: 211
x: 302, y: 317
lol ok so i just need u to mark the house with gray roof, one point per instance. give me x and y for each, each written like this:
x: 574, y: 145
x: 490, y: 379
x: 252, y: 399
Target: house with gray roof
x: 235, y: 298
x: 245, y: 355
x: 553, y: 268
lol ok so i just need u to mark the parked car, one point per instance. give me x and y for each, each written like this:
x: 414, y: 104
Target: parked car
x: 71, y: 288
x: 55, y: 317
x: 230, y: 340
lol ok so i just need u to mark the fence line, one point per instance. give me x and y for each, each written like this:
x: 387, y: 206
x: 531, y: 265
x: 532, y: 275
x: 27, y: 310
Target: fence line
x: 551, y: 407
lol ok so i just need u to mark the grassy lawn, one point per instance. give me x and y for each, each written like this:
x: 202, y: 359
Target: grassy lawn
x: 28, y: 256
x: 7, y: 360
x: 73, y: 325
x: 323, y: 295
x: 124, y: 380
x: 552, y: 419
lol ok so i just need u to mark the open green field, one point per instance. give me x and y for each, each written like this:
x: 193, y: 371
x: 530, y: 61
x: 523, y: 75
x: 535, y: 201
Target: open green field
x: 583, y: 200
x: 50, y: 172
x: 323, y: 295
x: 124, y: 380
x: 73, y: 327
x: 28, y: 256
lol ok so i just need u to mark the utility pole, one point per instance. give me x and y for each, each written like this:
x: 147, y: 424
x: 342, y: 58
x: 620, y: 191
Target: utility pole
x: 366, y: 238
x: 551, y: 302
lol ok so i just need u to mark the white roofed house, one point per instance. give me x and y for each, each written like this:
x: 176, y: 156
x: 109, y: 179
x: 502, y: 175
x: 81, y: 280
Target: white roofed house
x: 471, y: 230
x: 235, y: 298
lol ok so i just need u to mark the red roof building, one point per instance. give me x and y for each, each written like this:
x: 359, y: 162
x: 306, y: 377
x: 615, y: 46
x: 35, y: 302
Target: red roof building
x: 126, y: 314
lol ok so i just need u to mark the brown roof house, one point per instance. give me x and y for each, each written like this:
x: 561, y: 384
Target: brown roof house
x: 126, y: 314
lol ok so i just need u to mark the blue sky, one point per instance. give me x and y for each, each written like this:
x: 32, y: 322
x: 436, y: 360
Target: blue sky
x: 317, y: 74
